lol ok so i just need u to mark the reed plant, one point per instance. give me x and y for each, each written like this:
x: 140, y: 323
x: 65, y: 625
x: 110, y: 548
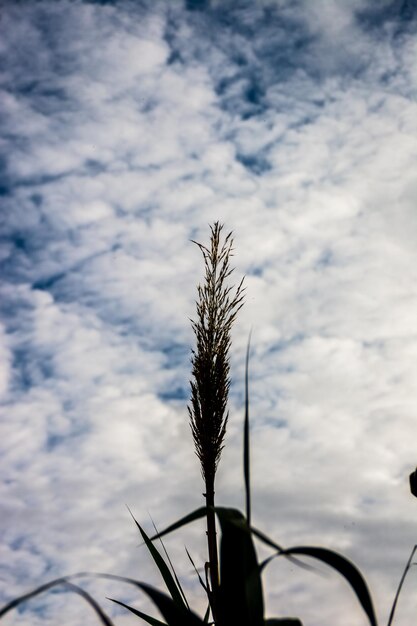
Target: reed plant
x: 217, y: 307
x: 233, y: 573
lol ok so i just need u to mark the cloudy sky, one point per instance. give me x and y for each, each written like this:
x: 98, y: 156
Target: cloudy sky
x: 127, y: 128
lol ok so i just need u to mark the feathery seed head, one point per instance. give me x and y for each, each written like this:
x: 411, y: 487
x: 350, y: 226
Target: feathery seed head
x: 217, y: 307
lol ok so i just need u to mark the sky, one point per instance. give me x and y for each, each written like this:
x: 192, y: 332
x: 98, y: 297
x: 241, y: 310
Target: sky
x: 127, y: 128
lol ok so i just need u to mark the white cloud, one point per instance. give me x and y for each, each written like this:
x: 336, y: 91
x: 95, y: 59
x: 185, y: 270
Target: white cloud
x: 127, y: 130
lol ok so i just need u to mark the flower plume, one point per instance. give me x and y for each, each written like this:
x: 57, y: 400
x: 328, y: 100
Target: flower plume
x: 217, y: 307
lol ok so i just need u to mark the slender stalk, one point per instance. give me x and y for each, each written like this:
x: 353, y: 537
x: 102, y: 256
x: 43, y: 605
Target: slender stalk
x: 212, y: 550
x: 246, y: 440
x: 397, y: 595
x: 217, y: 307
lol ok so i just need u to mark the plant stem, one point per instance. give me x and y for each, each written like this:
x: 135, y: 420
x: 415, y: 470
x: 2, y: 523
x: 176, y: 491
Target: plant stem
x: 217, y: 307
x: 212, y: 550
x: 397, y: 595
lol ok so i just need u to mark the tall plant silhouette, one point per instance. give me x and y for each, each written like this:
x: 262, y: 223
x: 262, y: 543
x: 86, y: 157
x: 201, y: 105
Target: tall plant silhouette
x: 235, y: 589
x: 217, y: 307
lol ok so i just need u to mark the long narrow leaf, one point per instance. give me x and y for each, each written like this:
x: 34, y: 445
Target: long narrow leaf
x: 187, y: 519
x: 346, y: 569
x: 58, y: 581
x: 54, y: 583
x: 246, y: 439
x: 173, y: 614
x: 163, y: 568
x: 27, y: 596
x: 123, y: 579
x: 94, y: 605
x: 207, y: 614
x: 205, y: 586
x: 269, y: 542
x: 192, y: 517
x: 174, y: 573
x: 280, y: 551
x: 202, y: 583
x: 397, y: 595
x: 297, y: 562
x: 146, y: 618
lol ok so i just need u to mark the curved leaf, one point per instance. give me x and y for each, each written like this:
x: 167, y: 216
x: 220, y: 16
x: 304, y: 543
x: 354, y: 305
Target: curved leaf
x: 397, y: 595
x: 260, y: 535
x: 297, y: 562
x: 346, y: 569
x: 94, y: 605
x: 53, y: 583
x: 281, y: 551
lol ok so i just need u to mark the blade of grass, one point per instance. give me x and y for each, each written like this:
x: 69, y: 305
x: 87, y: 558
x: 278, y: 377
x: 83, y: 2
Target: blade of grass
x: 349, y: 571
x: 198, y: 514
x: 204, y: 585
x: 162, y: 567
x: 63, y: 580
x: 405, y: 572
x: 187, y: 519
x: 94, y: 605
x: 197, y: 572
x: 27, y: 596
x: 144, y: 616
x: 207, y: 614
x: 173, y: 614
x: 246, y: 439
x: 123, y: 579
x: 293, y: 560
x: 54, y: 583
x: 269, y: 542
x: 281, y: 552
x: 171, y: 565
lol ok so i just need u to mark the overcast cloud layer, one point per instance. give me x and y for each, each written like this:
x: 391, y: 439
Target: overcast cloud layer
x: 126, y: 128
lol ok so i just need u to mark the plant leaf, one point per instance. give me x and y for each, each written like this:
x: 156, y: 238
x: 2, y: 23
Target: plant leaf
x: 202, y: 583
x: 94, y: 605
x: 146, y: 618
x: 397, y: 595
x: 172, y: 567
x: 281, y: 551
x: 27, y: 596
x: 53, y: 583
x: 207, y: 614
x: 346, y: 569
x: 241, y: 599
x: 173, y: 614
x: 187, y: 519
x: 163, y: 568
